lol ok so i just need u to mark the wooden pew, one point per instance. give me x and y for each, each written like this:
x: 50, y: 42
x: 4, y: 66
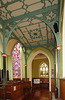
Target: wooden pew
x: 27, y: 89
x: 1, y: 93
x: 15, y: 91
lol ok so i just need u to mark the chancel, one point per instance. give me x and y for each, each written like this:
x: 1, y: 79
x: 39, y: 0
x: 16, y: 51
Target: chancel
x: 32, y: 49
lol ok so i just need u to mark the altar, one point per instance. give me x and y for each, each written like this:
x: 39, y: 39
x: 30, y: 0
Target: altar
x: 40, y: 84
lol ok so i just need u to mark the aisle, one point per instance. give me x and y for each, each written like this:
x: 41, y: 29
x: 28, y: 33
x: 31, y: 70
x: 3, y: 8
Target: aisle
x: 40, y: 94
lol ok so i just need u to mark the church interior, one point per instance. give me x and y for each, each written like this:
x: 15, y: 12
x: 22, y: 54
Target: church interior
x: 32, y: 50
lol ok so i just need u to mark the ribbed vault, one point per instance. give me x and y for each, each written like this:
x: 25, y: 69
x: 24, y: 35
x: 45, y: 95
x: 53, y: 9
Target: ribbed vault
x: 34, y: 18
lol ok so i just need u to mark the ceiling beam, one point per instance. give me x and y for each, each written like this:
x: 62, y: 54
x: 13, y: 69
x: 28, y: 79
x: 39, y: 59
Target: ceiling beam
x: 15, y: 37
x: 24, y: 36
x: 40, y: 31
x: 29, y: 33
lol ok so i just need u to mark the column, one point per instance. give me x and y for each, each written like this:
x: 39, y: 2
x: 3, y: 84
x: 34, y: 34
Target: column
x: 25, y: 68
x: 55, y: 72
x: 58, y: 48
x: 55, y: 67
x: 4, y: 68
x: 25, y: 72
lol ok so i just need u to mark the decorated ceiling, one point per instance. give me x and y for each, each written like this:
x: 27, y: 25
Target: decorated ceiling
x: 30, y: 22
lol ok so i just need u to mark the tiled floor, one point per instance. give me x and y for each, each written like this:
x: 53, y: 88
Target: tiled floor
x: 41, y: 94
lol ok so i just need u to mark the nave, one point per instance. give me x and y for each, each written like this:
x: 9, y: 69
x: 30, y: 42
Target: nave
x: 32, y: 45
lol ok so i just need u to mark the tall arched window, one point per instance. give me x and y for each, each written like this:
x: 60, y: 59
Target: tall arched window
x: 16, y: 61
x: 44, y: 70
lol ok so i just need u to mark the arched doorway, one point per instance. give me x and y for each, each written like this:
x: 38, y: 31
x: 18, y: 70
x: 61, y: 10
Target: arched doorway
x: 40, y: 66
x: 30, y: 64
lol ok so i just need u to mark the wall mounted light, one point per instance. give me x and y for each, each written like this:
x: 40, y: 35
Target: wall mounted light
x: 58, y: 48
x: 4, y: 55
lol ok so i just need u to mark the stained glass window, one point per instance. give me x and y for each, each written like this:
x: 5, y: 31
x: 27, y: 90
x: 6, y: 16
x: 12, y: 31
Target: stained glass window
x: 44, y: 70
x: 16, y: 61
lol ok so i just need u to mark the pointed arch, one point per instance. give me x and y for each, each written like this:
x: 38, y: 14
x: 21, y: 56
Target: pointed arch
x: 31, y: 57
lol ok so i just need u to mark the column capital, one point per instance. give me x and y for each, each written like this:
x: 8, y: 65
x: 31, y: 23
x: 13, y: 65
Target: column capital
x: 4, y: 55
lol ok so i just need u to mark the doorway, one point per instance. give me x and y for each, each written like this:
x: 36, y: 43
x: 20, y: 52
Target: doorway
x: 30, y: 64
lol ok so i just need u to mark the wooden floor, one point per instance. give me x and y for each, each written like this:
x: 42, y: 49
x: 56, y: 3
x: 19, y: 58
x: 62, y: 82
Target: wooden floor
x: 40, y: 94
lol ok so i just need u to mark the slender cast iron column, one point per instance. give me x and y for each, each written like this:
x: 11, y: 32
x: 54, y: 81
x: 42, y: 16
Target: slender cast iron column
x: 58, y: 52
x: 25, y: 72
x: 55, y: 68
x: 55, y: 72
x: 4, y: 73
x: 4, y: 68
x: 25, y: 68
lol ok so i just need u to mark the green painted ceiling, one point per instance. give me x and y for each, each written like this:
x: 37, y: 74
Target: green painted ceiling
x: 33, y: 19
